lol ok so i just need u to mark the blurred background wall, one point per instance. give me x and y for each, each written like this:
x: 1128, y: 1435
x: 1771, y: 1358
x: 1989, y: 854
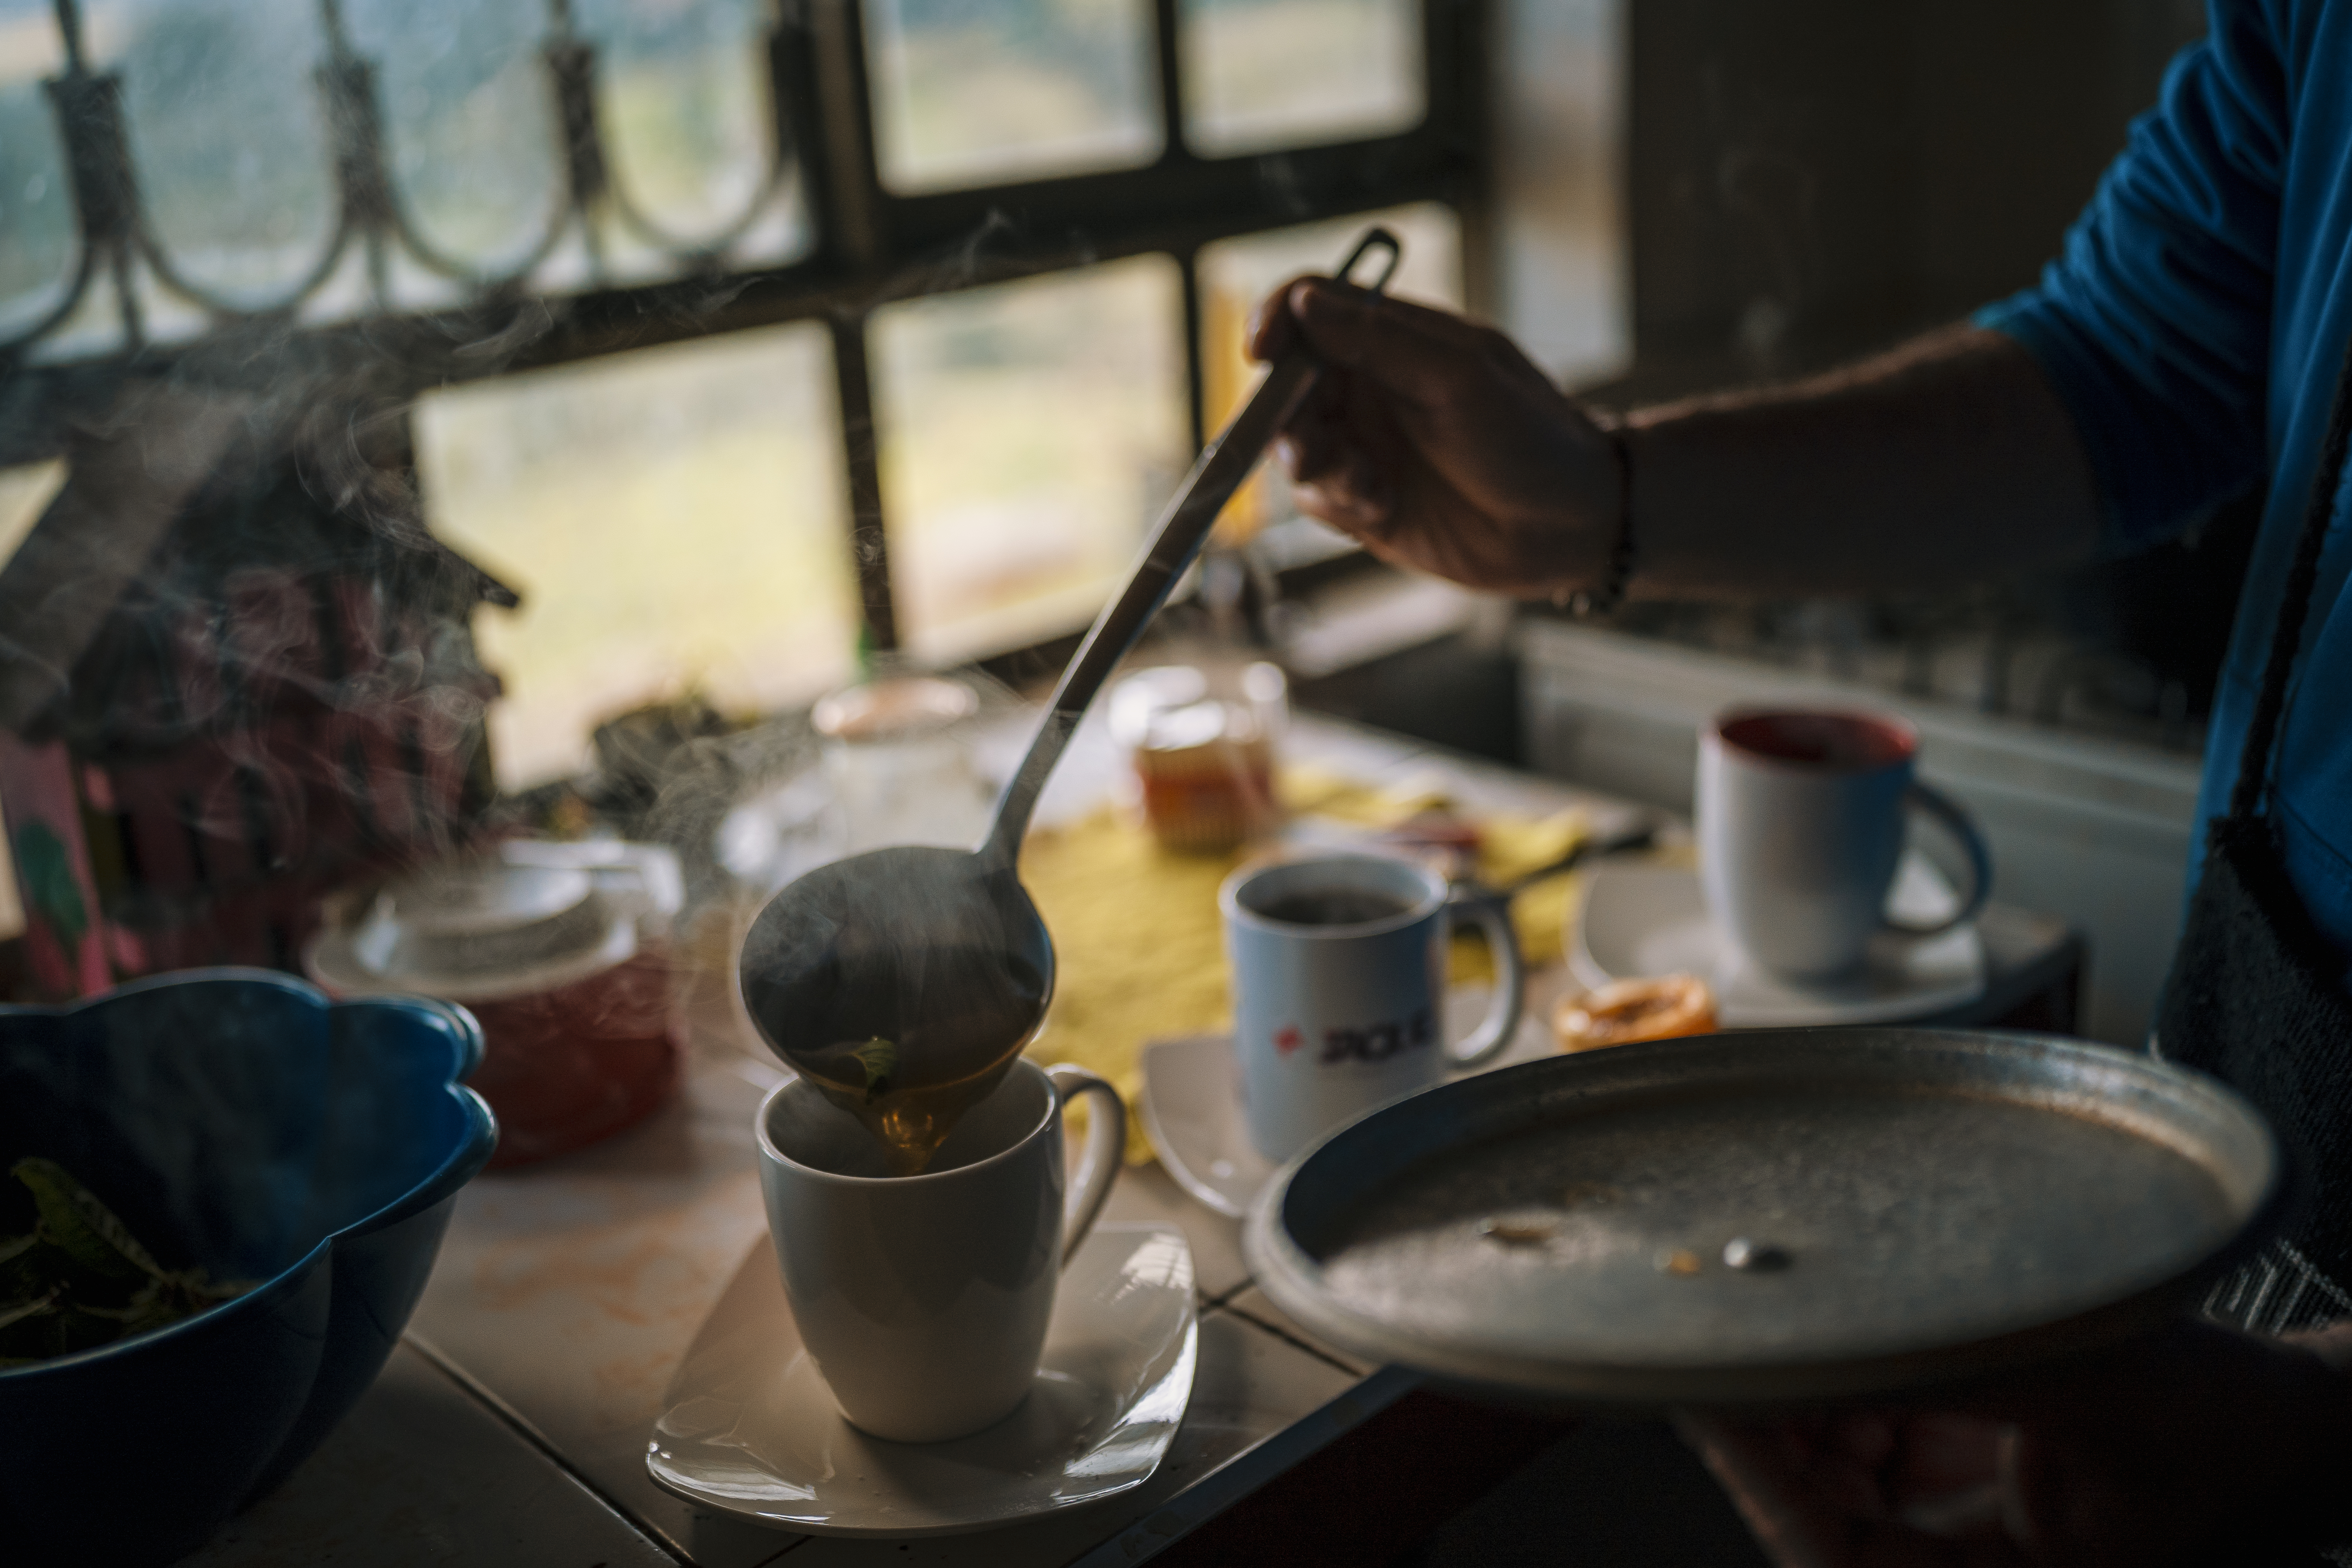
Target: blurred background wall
x: 1806, y: 176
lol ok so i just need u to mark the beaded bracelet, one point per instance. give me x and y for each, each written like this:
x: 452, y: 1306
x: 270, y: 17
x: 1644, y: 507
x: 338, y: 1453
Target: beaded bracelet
x: 1587, y: 602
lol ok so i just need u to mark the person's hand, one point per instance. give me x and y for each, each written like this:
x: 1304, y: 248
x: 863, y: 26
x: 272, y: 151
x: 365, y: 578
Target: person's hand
x: 2194, y: 1445
x: 1440, y: 445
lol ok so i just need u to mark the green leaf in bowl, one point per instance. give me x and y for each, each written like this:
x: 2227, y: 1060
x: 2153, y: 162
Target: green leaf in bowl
x: 89, y: 1232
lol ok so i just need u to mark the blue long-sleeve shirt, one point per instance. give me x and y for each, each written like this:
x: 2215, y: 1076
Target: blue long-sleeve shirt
x: 2194, y: 326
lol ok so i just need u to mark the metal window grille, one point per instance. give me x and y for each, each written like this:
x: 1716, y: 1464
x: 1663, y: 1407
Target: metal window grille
x: 871, y: 245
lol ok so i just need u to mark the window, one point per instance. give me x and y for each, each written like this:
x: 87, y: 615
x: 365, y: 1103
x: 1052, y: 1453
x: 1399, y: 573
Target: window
x: 967, y: 92
x: 25, y: 492
x: 742, y: 335
x: 240, y: 203
x: 674, y: 521
x: 1031, y: 430
x: 36, y: 215
x: 1560, y: 268
x: 1262, y: 74
x: 347, y: 158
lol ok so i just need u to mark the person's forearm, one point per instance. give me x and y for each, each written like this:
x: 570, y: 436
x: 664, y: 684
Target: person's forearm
x: 1945, y: 461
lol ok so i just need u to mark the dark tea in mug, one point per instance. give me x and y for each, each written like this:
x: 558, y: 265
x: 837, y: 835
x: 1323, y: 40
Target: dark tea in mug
x: 1334, y: 906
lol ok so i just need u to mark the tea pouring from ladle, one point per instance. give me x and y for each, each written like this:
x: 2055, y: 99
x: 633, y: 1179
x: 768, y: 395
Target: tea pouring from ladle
x: 904, y: 981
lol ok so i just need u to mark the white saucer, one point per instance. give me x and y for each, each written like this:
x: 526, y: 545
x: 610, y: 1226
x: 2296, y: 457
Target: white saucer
x: 750, y: 1430
x: 1651, y: 920
x: 1192, y: 1112
x: 1191, y: 1103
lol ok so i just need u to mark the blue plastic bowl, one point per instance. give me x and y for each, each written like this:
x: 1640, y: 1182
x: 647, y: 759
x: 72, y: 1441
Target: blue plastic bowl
x: 239, y: 1120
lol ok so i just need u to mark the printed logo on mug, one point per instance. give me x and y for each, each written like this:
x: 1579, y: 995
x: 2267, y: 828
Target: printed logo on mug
x: 1802, y: 814
x: 1338, y: 975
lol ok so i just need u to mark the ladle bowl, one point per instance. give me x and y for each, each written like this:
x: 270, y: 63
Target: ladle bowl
x: 905, y: 980
x: 895, y: 931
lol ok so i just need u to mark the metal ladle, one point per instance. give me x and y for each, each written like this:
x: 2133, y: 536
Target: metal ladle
x: 905, y: 981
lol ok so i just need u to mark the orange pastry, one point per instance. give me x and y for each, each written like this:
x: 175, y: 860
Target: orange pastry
x: 1625, y: 1011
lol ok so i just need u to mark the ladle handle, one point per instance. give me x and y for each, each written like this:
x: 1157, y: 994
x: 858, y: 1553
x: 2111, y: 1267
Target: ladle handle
x: 1224, y: 464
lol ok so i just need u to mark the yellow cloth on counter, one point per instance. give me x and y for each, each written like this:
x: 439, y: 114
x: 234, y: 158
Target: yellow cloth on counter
x: 1139, y: 946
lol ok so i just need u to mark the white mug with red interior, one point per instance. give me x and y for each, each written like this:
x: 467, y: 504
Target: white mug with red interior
x: 1802, y: 815
x: 1338, y: 977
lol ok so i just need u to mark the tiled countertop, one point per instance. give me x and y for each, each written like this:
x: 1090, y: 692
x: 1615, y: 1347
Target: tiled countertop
x: 511, y: 1428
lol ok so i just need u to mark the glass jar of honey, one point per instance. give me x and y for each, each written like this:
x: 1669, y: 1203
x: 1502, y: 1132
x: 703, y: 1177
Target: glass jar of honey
x: 1202, y: 741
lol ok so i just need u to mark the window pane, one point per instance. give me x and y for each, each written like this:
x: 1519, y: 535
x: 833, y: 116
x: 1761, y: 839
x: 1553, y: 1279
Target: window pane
x: 1560, y: 217
x: 37, y: 224
x: 228, y: 139
x: 979, y: 92
x: 25, y: 495
x: 1236, y: 274
x: 12, y: 909
x: 691, y: 127
x: 1029, y: 431
x: 1261, y: 74
x: 471, y: 125
x: 673, y: 517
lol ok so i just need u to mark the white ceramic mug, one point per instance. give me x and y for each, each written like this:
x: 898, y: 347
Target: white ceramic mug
x: 1801, y: 820
x: 924, y: 1299
x: 1335, y: 1016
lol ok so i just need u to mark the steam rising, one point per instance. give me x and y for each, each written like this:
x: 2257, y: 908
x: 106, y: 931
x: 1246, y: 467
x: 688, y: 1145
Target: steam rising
x: 235, y: 623
x: 232, y: 622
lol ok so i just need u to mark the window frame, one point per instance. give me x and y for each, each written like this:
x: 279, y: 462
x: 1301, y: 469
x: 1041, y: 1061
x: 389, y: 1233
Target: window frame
x: 871, y: 245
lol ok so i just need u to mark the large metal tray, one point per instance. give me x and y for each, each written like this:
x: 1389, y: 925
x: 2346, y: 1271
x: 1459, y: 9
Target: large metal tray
x: 1919, y: 1207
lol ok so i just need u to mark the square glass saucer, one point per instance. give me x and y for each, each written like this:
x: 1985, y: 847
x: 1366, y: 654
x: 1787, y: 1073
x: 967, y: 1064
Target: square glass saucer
x: 750, y: 1430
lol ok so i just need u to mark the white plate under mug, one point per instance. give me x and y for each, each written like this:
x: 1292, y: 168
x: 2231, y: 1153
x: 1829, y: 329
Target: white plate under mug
x: 1651, y: 920
x: 750, y: 1430
x: 1192, y: 1112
